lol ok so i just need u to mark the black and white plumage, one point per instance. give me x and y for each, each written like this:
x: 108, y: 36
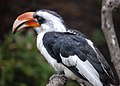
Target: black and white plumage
x: 67, y: 50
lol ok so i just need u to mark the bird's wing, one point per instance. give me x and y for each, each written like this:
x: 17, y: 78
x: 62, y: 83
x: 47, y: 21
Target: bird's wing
x: 105, y: 66
x: 77, y: 54
x: 99, y: 56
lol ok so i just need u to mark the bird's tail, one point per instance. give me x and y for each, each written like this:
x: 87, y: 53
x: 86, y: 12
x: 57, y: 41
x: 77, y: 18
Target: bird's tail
x: 108, y: 84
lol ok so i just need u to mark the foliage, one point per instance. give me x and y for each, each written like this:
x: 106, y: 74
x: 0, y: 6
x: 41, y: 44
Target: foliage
x: 98, y: 37
x: 21, y: 63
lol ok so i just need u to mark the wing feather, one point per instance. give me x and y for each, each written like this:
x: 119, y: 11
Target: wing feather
x: 83, y: 68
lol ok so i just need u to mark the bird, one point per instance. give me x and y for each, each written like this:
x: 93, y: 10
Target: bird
x: 67, y: 50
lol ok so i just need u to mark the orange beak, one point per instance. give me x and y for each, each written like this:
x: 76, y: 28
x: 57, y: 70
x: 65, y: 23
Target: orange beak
x: 23, y: 21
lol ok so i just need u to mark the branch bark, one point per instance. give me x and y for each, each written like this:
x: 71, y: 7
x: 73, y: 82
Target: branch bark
x: 57, y: 80
x: 109, y: 32
x: 60, y: 80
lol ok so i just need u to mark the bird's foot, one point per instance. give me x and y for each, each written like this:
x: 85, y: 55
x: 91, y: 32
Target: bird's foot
x: 57, y: 80
x: 58, y: 76
x: 81, y: 84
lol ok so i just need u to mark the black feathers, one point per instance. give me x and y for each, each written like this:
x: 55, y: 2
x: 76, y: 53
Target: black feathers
x: 61, y: 43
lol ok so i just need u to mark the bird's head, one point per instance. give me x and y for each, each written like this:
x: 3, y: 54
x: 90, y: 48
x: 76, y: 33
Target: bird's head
x: 41, y: 20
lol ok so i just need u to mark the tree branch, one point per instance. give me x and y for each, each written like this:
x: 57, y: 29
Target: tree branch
x: 60, y: 80
x: 109, y: 32
x: 57, y: 80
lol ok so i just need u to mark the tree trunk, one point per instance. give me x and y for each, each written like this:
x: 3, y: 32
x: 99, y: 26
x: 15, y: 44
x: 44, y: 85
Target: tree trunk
x: 109, y: 32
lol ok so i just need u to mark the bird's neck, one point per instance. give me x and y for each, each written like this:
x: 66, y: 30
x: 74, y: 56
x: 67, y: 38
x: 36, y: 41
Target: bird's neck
x: 41, y: 34
x: 44, y: 29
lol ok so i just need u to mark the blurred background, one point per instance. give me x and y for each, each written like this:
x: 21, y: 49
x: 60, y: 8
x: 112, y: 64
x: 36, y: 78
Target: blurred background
x: 21, y: 64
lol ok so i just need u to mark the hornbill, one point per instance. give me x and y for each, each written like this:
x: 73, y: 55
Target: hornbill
x: 68, y: 51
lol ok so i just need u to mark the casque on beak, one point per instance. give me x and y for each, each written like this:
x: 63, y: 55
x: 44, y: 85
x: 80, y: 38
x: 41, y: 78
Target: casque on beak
x: 24, y: 20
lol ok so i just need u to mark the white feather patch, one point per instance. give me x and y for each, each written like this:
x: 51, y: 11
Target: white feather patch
x: 90, y: 43
x: 85, y: 68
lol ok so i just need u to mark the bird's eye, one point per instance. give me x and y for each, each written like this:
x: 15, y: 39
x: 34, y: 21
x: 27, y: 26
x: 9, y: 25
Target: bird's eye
x: 39, y: 18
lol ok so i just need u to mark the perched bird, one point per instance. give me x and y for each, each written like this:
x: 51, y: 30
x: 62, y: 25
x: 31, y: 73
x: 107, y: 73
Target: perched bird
x: 68, y: 51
